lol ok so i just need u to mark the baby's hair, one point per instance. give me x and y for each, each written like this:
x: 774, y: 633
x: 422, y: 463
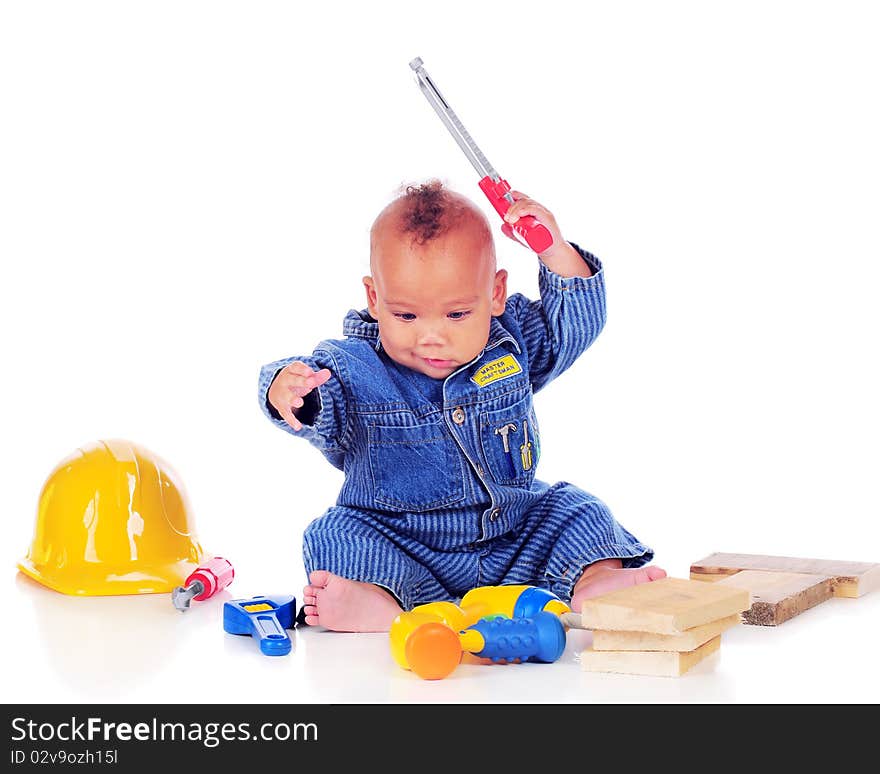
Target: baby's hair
x: 427, y: 210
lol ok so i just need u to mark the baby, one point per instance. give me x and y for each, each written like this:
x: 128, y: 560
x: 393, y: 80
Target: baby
x: 426, y: 405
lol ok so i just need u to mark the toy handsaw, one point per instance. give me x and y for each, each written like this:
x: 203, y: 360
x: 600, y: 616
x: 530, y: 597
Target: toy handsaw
x: 527, y: 229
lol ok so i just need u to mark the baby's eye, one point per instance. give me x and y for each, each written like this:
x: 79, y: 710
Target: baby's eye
x: 408, y: 316
x: 458, y: 315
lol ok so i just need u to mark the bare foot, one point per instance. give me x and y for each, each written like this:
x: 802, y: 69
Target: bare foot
x: 604, y: 579
x: 344, y: 605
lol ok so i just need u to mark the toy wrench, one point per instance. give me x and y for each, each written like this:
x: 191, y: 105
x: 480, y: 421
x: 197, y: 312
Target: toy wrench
x: 263, y: 618
x: 527, y: 229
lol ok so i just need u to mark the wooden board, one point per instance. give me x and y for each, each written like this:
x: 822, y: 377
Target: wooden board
x: 691, y: 639
x: 778, y: 596
x: 665, y: 606
x: 851, y: 579
x: 658, y: 663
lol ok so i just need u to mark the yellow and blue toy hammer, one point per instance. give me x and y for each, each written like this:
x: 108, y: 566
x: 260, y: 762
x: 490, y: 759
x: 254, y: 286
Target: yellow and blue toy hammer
x: 263, y: 618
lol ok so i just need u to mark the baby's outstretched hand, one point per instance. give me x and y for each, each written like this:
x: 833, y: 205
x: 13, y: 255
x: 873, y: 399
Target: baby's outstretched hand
x: 290, y: 387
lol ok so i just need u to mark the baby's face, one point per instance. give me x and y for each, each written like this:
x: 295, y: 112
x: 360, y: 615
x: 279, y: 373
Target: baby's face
x: 434, y: 302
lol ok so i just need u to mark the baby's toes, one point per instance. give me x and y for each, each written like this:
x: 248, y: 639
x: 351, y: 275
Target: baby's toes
x: 312, y: 618
x: 319, y: 578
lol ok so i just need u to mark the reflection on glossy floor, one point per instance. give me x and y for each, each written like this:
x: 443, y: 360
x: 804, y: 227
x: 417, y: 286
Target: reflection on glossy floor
x: 139, y: 649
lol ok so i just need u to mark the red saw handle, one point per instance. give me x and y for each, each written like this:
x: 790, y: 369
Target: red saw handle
x: 527, y: 229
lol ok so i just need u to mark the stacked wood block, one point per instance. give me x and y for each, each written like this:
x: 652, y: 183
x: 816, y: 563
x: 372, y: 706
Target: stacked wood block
x: 783, y: 587
x: 660, y: 628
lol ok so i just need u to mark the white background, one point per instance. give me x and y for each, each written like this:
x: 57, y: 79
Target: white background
x: 186, y: 190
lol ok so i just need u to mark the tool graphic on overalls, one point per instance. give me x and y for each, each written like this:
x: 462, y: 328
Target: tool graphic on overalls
x: 525, y: 451
x: 503, y: 431
x: 527, y: 229
x: 264, y: 619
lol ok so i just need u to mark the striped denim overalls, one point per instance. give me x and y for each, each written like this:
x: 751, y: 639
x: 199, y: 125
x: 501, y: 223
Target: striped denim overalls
x: 440, y: 494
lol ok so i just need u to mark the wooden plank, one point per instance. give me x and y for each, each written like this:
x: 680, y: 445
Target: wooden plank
x: 665, y: 606
x: 658, y: 663
x: 851, y: 579
x: 688, y: 640
x: 778, y: 596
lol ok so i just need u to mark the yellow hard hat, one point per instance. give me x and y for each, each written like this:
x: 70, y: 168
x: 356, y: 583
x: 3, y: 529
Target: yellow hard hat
x: 113, y: 518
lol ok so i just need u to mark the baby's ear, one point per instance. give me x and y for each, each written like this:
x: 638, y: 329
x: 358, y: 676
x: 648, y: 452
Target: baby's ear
x: 370, y: 287
x: 499, y: 292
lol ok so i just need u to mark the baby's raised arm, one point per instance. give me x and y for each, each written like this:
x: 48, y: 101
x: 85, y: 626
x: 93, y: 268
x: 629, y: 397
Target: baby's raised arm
x: 291, y: 385
x: 571, y: 311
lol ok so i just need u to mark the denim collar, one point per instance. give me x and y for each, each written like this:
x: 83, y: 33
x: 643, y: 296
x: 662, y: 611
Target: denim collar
x: 361, y: 325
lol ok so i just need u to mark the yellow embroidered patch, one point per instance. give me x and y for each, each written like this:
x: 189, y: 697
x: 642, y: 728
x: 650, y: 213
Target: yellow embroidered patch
x: 495, y: 370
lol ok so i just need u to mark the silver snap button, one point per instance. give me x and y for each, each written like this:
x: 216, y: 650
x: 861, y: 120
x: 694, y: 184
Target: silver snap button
x: 494, y: 515
x: 458, y: 415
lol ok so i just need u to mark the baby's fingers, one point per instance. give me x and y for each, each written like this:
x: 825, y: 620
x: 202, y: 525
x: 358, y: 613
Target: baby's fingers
x: 288, y: 416
x: 296, y: 400
x: 525, y: 206
x: 320, y: 377
x: 303, y: 385
x: 298, y: 385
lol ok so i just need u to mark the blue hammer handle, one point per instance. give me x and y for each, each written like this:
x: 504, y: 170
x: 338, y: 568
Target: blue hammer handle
x: 539, y: 638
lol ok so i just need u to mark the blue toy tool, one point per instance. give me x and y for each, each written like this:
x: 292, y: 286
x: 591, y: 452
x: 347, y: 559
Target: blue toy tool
x: 541, y: 638
x: 263, y: 618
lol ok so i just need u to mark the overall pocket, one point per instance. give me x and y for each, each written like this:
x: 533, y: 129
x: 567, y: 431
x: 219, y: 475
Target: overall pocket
x: 415, y: 468
x: 510, y: 441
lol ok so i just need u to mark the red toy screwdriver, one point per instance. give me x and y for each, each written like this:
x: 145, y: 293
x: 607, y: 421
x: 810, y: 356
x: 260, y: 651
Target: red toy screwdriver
x: 527, y: 229
x: 205, y: 581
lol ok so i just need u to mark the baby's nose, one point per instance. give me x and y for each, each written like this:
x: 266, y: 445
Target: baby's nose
x: 431, y: 334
